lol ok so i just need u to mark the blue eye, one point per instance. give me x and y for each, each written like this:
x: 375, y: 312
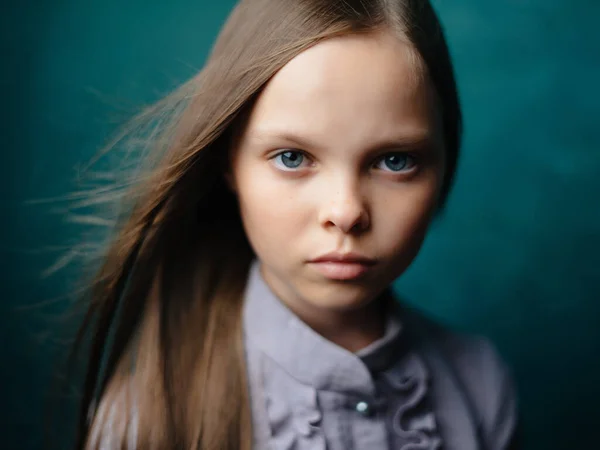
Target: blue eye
x: 290, y: 159
x: 396, y: 162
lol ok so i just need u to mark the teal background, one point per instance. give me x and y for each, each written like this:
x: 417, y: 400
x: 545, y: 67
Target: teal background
x: 515, y: 257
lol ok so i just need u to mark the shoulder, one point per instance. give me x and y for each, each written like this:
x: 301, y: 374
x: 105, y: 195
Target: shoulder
x: 483, y: 374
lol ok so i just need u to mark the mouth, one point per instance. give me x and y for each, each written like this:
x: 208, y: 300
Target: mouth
x: 342, y: 266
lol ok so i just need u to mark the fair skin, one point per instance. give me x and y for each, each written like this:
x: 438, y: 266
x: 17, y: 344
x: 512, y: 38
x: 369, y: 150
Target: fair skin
x: 342, y: 152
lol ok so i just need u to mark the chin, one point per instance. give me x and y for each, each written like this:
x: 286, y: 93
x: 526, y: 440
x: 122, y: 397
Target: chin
x: 341, y: 296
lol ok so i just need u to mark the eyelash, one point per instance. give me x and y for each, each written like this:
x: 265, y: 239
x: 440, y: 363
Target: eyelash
x: 413, y: 164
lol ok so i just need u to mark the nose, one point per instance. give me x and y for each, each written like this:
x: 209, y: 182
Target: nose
x: 345, y: 209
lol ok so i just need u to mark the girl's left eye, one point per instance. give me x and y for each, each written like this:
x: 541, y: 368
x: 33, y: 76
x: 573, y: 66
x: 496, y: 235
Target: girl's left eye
x: 289, y: 159
x: 396, y: 162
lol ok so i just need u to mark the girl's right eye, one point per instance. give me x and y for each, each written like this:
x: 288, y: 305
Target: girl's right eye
x: 289, y: 160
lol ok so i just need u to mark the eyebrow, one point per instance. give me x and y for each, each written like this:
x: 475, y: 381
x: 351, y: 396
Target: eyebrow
x: 419, y: 139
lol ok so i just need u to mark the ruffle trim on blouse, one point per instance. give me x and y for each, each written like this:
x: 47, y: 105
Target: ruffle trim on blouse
x: 413, y: 421
x: 294, y: 419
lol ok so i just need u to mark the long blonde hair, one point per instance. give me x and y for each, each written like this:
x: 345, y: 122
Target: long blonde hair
x: 162, y: 335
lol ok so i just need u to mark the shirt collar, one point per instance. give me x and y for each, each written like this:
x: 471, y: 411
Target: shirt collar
x: 310, y: 358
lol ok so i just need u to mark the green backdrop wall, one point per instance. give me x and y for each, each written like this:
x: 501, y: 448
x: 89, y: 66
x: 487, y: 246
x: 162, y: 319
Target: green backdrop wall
x: 516, y: 256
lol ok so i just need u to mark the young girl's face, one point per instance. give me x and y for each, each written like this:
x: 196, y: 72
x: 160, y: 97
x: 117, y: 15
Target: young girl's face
x: 341, y: 158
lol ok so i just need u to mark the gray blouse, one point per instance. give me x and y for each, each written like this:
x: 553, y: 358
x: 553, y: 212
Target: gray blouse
x: 418, y: 387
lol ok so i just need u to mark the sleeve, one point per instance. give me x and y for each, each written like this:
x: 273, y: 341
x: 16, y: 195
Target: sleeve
x: 500, y: 405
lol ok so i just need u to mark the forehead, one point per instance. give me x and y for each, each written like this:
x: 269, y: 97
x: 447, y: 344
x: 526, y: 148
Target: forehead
x: 348, y: 90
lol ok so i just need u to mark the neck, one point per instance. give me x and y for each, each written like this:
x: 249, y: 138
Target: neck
x: 352, y: 330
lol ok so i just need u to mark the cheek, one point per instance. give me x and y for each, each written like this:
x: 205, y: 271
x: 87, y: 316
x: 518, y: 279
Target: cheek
x: 267, y: 210
x: 404, y: 220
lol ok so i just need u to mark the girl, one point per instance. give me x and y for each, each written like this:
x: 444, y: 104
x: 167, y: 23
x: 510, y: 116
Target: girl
x: 244, y: 301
